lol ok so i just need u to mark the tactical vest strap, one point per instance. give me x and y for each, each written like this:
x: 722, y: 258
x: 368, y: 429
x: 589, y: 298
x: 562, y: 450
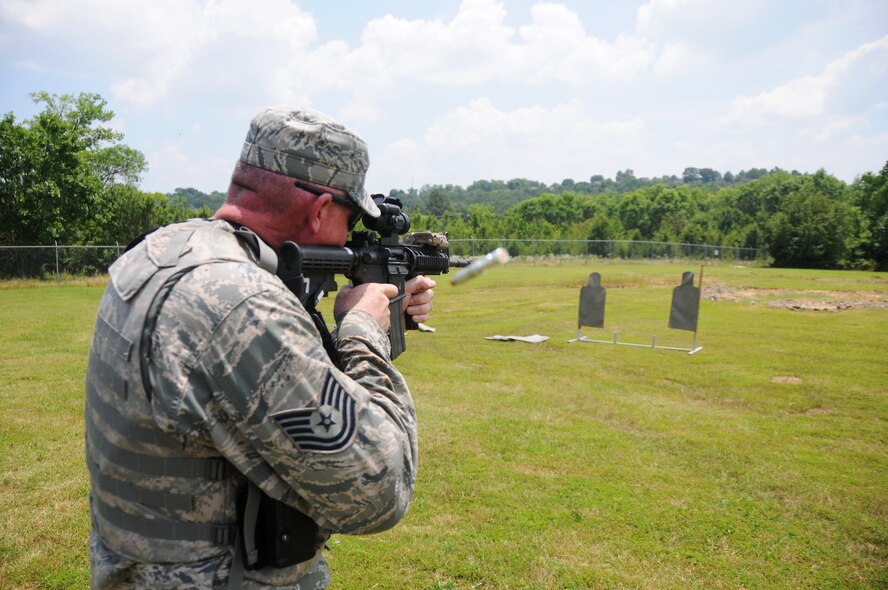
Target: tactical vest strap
x: 134, y: 493
x: 123, y: 425
x: 102, y: 372
x: 326, y: 337
x: 268, y: 259
x: 151, y: 320
x: 251, y: 515
x: 218, y: 534
x: 214, y: 469
x: 245, y: 549
x: 170, y: 256
x: 114, y: 339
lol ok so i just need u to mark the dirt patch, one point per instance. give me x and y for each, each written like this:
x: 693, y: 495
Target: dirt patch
x: 817, y: 305
x: 798, y: 300
x: 786, y: 379
x: 815, y: 411
x: 717, y: 292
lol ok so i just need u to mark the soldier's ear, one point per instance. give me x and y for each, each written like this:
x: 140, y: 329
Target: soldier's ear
x: 318, y: 209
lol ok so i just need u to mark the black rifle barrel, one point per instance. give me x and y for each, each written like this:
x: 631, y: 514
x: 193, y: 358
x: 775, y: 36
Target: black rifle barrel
x: 344, y: 260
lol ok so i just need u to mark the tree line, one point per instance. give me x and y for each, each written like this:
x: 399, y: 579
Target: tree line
x: 501, y: 195
x: 799, y: 220
x: 67, y: 178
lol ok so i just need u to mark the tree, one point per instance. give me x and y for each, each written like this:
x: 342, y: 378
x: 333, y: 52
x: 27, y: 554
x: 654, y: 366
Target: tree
x: 871, y: 198
x: 762, y: 198
x: 634, y: 213
x: 626, y: 181
x: 810, y: 229
x: 117, y: 164
x: 483, y: 222
x: 710, y: 175
x: 126, y: 213
x: 191, y: 197
x: 691, y: 175
x: 555, y: 210
x: 55, y: 167
x: 438, y: 203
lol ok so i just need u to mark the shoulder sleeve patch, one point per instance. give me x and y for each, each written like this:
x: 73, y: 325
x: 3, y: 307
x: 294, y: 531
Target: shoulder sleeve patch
x: 326, y: 428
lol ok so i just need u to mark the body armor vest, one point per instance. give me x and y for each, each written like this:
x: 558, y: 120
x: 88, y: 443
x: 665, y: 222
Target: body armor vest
x: 156, y: 497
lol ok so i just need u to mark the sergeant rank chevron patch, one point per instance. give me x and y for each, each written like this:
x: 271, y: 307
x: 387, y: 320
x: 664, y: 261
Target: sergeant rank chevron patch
x: 329, y: 427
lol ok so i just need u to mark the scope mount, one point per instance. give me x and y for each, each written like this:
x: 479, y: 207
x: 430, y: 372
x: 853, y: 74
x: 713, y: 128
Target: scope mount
x: 392, y: 221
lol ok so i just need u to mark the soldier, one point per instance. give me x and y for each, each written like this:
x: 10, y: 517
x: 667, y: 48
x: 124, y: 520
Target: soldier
x: 223, y: 445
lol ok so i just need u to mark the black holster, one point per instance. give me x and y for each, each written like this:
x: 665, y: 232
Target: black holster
x: 281, y: 537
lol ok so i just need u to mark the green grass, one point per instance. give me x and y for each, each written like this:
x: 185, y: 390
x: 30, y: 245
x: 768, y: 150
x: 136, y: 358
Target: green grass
x: 759, y: 462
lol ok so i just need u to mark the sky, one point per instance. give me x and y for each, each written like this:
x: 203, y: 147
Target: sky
x: 450, y: 92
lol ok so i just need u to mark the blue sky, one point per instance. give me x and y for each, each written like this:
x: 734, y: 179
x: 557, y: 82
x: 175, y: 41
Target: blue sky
x: 448, y: 91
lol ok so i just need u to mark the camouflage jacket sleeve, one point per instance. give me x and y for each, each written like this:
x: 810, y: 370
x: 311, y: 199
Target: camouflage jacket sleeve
x: 239, y: 366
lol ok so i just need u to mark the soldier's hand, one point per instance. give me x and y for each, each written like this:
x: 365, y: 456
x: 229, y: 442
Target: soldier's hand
x: 370, y: 297
x: 418, y: 299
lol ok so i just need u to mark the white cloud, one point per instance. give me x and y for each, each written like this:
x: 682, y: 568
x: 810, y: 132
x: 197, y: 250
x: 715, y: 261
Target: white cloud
x: 173, y: 165
x: 399, y: 165
x: 653, y: 15
x: 479, y: 140
x: 690, y: 35
x: 802, y: 97
x: 722, y: 154
x: 837, y: 127
x: 168, y: 51
x: 117, y: 123
x: 475, y: 47
x: 33, y: 15
x: 677, y: 58
x: 156, y: 48
x: 556, y: 47
x: 30, y: 66
x: 701, y: 20
x: 231, y: 47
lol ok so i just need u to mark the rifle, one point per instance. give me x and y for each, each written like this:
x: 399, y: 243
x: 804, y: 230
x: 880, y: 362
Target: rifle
x: 375, y: 256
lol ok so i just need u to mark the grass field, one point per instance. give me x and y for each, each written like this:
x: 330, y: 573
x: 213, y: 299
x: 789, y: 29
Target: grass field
x: 759, y: 462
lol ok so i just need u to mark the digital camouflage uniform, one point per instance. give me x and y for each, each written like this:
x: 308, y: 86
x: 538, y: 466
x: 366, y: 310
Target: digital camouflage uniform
x: 241, y: 389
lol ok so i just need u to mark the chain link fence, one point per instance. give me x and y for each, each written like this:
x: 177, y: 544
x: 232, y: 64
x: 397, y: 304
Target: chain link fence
x: 618, y: 249
x: 52, y: 262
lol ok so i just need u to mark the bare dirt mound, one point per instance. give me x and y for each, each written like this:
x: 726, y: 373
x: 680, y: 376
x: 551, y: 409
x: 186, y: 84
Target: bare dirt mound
x: 798, y: 300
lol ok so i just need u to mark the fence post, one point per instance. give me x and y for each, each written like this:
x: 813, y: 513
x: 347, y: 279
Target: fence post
x: 58, y: 279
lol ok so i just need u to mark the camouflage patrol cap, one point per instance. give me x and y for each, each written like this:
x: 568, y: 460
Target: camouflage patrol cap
x: 303, y: 143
